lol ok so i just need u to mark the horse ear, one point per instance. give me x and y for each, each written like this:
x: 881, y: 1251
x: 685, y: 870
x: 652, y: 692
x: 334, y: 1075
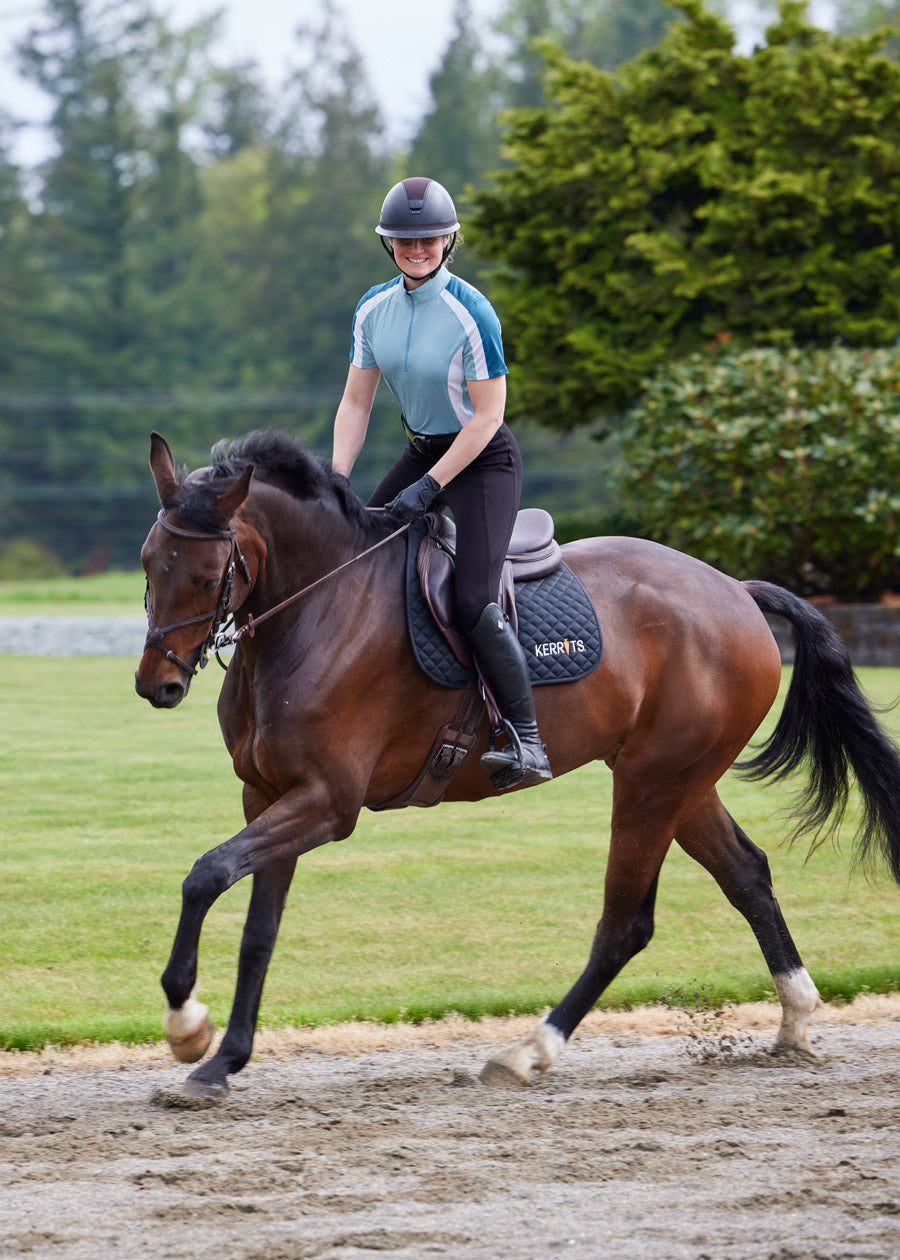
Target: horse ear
x: 162, y: 465
x: 231, y: 499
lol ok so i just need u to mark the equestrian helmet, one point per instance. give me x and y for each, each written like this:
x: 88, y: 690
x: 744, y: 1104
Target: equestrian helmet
x: 417, y: 208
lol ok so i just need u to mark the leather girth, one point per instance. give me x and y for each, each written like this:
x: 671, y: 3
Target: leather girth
x: 451, y: 745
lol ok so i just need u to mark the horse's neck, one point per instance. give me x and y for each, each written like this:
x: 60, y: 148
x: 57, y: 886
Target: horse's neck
x: 302, y: 540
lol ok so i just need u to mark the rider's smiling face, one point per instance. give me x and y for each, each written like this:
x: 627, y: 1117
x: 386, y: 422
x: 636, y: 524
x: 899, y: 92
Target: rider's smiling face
x: 417, y: 259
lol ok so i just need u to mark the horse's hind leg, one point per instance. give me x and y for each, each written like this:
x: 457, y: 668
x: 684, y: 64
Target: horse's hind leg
x: 741, y: 870
x: 642, y: 827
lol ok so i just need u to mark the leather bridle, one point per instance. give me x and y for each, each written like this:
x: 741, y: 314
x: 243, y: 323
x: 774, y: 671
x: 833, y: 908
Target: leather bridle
x: 217, y: 617
x: 221, y: 635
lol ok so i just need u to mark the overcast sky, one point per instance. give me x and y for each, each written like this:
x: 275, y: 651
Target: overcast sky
x: 402, y: 42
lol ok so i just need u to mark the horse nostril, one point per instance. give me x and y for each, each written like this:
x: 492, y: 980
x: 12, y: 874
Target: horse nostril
x: 164, y: 696
x: 169, y: 694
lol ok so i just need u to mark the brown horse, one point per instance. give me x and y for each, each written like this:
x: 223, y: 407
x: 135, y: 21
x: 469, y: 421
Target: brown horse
x: 324, y: 710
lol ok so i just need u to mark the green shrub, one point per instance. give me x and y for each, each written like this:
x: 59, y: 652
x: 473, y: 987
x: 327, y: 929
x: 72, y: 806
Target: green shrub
x: 25, y: 558
x: 783, y: 465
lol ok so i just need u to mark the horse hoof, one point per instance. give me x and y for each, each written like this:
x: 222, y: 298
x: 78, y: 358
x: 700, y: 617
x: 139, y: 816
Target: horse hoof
x: 191, y: 1047
x: 792, y: 1052
x: 196, y: 1087
x: 498, y: 1076
x: 518, y: 1065
x: 190, y: 1096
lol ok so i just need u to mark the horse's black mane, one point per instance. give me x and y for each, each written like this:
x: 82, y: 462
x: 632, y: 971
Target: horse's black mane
x: 279, y: 459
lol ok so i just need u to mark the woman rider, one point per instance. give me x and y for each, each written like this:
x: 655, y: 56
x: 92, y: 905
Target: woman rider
x: 436, y: 340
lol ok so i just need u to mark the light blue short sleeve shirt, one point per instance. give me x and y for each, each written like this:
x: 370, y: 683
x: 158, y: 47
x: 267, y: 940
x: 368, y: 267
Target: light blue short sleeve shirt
x: 428, y: 343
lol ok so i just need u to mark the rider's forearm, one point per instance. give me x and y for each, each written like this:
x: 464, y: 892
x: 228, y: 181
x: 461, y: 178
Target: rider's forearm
x: 349, y: 434
x: 468, y: 445
x: 352, y: 418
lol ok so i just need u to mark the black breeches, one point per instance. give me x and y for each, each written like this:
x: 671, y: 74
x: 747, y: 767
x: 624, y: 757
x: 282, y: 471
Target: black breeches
x: 484, y: 500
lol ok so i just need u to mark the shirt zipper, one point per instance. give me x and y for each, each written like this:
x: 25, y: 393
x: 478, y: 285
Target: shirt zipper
x: 412, y: 315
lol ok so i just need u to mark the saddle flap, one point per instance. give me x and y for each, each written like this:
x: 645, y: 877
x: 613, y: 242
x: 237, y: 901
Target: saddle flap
x: 434, y: 565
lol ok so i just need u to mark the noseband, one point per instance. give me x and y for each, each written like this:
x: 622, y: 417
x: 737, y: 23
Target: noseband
x: 156, y: 635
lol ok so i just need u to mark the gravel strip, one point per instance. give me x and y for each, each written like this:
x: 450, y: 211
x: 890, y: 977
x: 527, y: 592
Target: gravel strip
x: 72, y: 636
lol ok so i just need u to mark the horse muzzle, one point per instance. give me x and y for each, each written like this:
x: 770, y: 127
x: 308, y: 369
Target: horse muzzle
x: 163, y: 692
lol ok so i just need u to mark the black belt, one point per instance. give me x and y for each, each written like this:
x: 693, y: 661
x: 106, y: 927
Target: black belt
x: 428, y: 444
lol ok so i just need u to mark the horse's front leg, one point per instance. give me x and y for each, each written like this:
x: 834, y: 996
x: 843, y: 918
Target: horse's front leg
x: 267, y: 848
x: 270, y: 889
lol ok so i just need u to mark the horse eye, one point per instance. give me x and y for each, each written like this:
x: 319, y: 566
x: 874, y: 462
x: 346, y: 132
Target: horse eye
x: 207, y: 584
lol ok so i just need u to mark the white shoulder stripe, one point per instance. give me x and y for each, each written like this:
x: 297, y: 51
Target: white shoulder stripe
x: 362, y: 312
x: 455, y: 387
x: 471, y: 330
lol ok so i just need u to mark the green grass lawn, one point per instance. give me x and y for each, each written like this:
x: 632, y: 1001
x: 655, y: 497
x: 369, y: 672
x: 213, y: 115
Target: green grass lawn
x: 477, y: 908
x: 104, y: 595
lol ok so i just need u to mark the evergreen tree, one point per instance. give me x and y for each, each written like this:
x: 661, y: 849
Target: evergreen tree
x: 521, y: 24
x: 23, y: 282
x: 860, y: 17
x: 88, y: 189
x: 327, y: 176
x: 241, y: 110
x: 603, y: 32
x: 117, y: 230
x: 459, y: 139
x: 24, y: 295
x: 680, y: 203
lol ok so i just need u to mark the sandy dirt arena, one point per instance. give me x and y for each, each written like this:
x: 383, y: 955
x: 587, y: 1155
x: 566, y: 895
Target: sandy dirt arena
x: 657, y: 1135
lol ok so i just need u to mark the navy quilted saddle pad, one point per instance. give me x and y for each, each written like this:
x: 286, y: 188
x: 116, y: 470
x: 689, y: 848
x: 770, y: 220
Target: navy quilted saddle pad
x: 558, y: 627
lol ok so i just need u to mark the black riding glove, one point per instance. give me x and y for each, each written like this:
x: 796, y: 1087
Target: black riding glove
x: 415, y: 500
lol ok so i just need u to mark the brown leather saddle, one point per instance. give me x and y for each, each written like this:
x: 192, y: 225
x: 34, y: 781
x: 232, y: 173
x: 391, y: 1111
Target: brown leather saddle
x: 533, y: 553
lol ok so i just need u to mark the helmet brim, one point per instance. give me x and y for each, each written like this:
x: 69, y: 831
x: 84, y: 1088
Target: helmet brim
x: 405, y: 233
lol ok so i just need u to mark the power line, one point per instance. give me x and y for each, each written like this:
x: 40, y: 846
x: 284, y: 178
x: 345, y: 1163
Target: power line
x: 168, y: 400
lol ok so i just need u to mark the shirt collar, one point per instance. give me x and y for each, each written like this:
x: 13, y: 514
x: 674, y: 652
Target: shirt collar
x: 430, y: 289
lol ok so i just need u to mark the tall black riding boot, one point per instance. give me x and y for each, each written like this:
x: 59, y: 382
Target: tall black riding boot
x: 503, y: 663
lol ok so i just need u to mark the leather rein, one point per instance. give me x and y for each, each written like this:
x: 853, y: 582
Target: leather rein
x: 221, y: 618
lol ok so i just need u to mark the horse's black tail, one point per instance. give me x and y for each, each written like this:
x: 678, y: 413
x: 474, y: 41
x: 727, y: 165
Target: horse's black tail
x: 827, y: 720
